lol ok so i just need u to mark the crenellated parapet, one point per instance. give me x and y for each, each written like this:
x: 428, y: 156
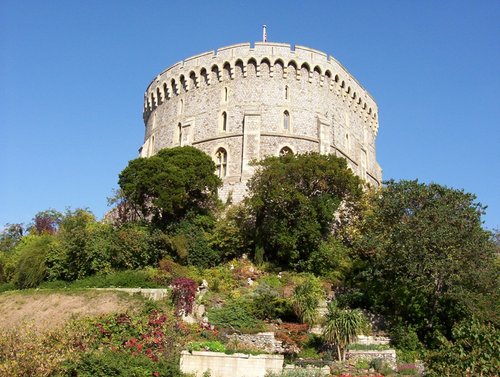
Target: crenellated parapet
x: 278, y: 60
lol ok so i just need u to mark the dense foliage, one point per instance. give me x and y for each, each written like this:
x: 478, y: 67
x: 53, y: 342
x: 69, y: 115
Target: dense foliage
x: 167, y: 186
x: 425, y: 259
x: 472, y: 351
x: 414, y: 255
x: 293, y: 199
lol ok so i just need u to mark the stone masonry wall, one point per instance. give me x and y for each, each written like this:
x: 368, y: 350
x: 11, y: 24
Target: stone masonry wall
x: 264, y: 341
x: 222, y: 365
x: 254, y: 89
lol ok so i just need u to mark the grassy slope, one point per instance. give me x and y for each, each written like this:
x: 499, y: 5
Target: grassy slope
x: 53, y: 307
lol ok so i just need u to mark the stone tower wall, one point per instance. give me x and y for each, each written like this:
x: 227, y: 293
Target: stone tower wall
x: 255, y: 89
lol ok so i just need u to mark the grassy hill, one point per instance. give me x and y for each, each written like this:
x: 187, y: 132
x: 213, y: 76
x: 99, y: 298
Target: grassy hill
x: 52, y: 308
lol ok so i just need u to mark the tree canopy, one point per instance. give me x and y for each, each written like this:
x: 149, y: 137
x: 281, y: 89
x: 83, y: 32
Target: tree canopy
x: 425, y: 258
x: 293, y: 199
x: 170, y: 184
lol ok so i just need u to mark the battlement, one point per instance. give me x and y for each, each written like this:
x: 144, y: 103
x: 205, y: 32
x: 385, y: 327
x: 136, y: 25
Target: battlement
x: 280, y: 59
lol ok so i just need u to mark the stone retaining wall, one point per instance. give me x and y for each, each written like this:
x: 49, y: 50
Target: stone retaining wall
x: 154, y: 294
x: 389, y: 356
x: 264, y: 341
x: 222, y: 365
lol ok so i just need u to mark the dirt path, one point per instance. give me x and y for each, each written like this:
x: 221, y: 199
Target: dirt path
x: 51, y: 309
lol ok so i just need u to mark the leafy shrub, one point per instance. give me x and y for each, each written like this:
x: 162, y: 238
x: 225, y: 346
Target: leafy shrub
x: 377, y: 364
x: 131, y: 247
x: 221, y: 279
x: 330, y: 259
x: 235, y: 315
x: 230, y: 236
x: 25, y: 351
x: 125, y: 279
x: 107, y: 363
x: 7, y: 287
x: 183, y: 294
x: 156, y: 334
x: 170, y: 270
x: 306, y: 298
x: 362, y: 364
x: 31, y: 269
x: 405, y: 338
x: 309, y: 353
x: 214, y: 346
x: 293, y: 336
x: 118, y: 279
x: 189, y: 243
x: 267, y: 304
x: 272, y: 281
x: 404, y: 356
x: 77, y: 254
x: 473, y: 350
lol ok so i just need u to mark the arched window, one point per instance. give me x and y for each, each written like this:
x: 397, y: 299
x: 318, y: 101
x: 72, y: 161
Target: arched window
x: 224, y: 121
x: 286, y: 120
x: 221, y: 162
x: 285, y: 150
x: 179, y: 133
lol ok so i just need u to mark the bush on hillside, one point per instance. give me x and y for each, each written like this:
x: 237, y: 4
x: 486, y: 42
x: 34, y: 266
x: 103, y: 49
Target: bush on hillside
x: 236, y: 314
x: 31, y: 254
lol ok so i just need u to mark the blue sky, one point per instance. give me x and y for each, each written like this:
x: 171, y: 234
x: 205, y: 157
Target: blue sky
x: 73, y: 74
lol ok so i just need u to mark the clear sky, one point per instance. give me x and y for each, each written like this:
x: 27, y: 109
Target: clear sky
x: 73, y: 75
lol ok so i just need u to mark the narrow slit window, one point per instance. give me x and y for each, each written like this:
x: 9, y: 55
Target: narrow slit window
x: 286, y: 120
x: 179, y: 133
x: 224, y: 121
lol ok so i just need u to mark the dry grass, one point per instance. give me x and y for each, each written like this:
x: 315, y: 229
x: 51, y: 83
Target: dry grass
x: 52, y: 308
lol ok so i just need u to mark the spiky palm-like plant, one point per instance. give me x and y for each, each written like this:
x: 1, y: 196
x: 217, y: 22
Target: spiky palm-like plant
x: 305, y: 300
x: 341, y: 327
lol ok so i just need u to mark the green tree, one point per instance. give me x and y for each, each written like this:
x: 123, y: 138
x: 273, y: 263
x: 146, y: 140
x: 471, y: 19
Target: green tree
x: 230, y: 235
x: 424, y: 259
x: 341, y: 328
x: 75, y: 256
x: 10, y: 235
x: 46, y: 222
x: 293, y: 199
x: 166, y: 187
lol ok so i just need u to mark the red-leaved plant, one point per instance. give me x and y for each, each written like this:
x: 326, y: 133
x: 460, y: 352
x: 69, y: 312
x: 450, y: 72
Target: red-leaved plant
x: 183, y: 294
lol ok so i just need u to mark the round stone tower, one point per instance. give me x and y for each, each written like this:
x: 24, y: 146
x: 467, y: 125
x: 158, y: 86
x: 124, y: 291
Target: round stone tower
x: 243, y: 102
